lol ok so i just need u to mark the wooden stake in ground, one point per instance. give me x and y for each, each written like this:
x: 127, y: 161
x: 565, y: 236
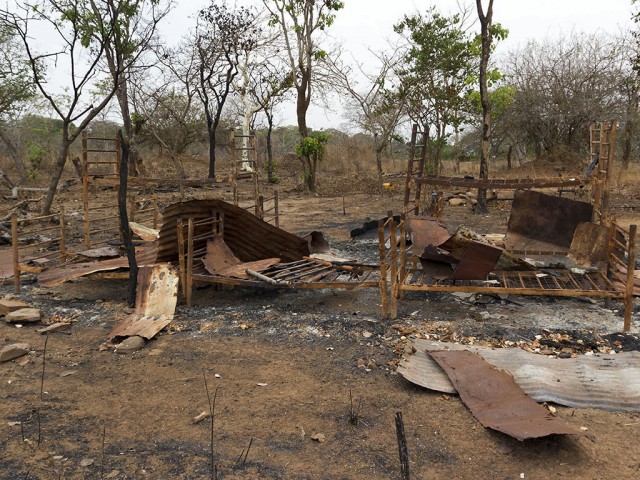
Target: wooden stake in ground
x: 402, y: 447
x: 124, y: 221
x: 212, y: 412
x: 44, y: 363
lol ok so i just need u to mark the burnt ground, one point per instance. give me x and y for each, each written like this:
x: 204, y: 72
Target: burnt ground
x: 283, y: 365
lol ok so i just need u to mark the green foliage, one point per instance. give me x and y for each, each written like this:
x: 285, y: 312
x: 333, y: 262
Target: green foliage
x: 15, y: 84
x: 439, y: 61
x: 35, y: 158
x: 500, y: 98
x: 271, y: 172
x: 313, y: 146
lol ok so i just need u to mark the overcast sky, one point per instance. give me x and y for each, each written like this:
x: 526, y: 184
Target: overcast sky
x: 368, y: 24
x: 365, y: 24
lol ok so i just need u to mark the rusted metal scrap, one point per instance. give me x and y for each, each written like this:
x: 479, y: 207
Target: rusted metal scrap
x: 248, y: 237
x: 220, y: 260
x: 496, y: 400
x: 606, y: 382
x: 473, y: 257
x: 317, y: 242
x: 156, y: 299
x: 590, y: 245
x: 145, y: 254
x: 544, y: 222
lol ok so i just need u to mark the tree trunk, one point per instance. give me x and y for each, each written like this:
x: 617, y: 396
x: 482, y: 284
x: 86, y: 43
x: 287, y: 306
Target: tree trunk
x: 509, y: 152
x: 57, y: 169
x: 302, y: 104
x: 13, y: 153
x: 456, y: 149
x: 124, y: 222
x: 270, y: 172
x: 485, y: 23
x: 178, y: 165
x: 212, y: 152
x: 379, y: 149
x: 630, y: 127
x: 122, y: 94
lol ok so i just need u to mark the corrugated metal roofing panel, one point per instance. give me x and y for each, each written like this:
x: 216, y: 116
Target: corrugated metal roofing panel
x: 607, y: 382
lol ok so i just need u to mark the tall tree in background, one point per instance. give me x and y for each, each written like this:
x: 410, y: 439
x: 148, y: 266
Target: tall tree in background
x: 270, y: 86
x: 70, y: 47
x: 131, y: 38
x: 15, y: 89
x: 485, y: 35
x: 376, y: 108
x: 165, y: 99
x: 561, y: 85
x: 300, y: 22
x: 223, y: 37
x: 439, y: 61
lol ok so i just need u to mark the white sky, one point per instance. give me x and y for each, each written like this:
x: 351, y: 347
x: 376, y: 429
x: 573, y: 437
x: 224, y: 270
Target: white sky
x: 365, y: 24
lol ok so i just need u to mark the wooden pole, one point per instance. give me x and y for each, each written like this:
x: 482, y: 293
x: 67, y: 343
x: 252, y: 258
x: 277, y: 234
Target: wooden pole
x: 16, y: 252
x: 402, y: 447
x: 631, y: 265
x: 189, y: 279
x: 125, y: 231
x: 384, y: 296
x: 276, y: 208
x: 85, y: 191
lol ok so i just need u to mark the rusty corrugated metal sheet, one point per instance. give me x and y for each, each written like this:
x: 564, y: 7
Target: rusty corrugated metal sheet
x: 496, y: 400
x: 544, y: 222
x: 590, y: 245
x: 248, y: 237
x: 607, y: 382
x: 156, y: 299
x: 146, y: 255
x: 477, y: 261
x: 6, y: 264
x: 425, y: 232
x: 219, y: 260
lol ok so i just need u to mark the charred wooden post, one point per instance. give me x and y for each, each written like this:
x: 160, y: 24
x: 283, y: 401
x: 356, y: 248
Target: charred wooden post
x: 125, y: 231
x: 384, y: 295
x: 276, y: 209
x: 393, y: 268
x: 189, y: 266
x: 85, y: 191
x: 14, y: 245
x: 403, y: 451
x: 631, y: 261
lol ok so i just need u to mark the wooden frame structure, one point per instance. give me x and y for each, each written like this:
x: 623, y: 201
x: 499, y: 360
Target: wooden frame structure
x: 305, y: 273
x: 405, y: 273
x: 602, y: 144
x: 101, y: 220
x: 38, y: 255
x: 246, y: 145
x: 266, y: 208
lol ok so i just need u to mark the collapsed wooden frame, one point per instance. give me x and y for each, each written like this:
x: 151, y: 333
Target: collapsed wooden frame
x: 602, y: 139
x: 304, y: 273
x: 401, y: 271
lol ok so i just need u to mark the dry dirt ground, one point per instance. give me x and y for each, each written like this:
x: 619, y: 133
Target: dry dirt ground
x: 282, y: 366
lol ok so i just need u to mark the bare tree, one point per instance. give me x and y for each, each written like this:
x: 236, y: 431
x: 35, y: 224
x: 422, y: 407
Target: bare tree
x: 15, y: 90
x: 378, y: 106
x: 223, y: 36
x: 561, y: 85
x: 165, y: 99
x: 131, y: 38
x: 301, y: 21
x: 486, y: 36
x: 68, y: 20
x: 439, y: 59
